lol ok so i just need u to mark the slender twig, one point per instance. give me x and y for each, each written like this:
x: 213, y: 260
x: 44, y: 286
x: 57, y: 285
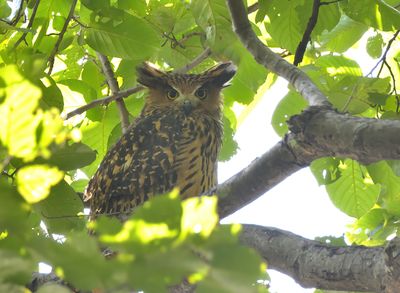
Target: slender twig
x: 383, y: 58
x: 104, y: 101
x: 113, y: 84
x: 252, y: 8
x: 196, y: 61
x: 60, y: 37
x: 5, y: 162
x: 30, y: 23
x: 301, y: 48
x: 19, y: 13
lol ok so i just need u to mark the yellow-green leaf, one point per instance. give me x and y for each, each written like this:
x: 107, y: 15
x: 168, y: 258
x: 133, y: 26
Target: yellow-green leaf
x: 34, y: 181
x: 199, y: 215
x: 18, y: 122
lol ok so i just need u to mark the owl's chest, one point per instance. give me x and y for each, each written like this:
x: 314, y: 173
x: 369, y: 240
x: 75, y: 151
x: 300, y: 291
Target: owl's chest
x: 196, y: 157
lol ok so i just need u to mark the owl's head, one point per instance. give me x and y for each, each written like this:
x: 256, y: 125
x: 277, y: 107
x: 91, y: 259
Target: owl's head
x: 189, y: 92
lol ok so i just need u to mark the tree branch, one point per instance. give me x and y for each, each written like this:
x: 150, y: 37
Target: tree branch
x: 30, y: 23
x: 314, y: 264
x: 301, y: 48
x: 113, y: 85
x: 263, y: 55
x: 317, y: 132
x: 60, y: 37
x: 383, y: 58
x: 104, y: 101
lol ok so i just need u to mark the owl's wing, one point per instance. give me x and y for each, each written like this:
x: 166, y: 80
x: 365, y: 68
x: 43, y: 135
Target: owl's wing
x: 139, y: 166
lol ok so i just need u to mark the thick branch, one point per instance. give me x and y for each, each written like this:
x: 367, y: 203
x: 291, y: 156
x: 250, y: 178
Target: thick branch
x: 314, y: 264
x: 317, y: 132
x: 113, y: 84
x: 60, y: 36
x: 301, y: 49
x: 261, y: 175
x: 269, y: 59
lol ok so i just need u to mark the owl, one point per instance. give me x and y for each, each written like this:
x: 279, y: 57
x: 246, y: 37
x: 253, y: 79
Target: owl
x: 174, y: 142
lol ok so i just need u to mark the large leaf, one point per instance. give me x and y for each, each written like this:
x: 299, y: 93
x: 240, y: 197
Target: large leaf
x: 130, y: 38
x: 74, y: 156
x: 353, y: 193
x: 60, y: 209
x: 18, y: 121
x: 375, y: 13
x: 344, y: 35
x: 382, y: 173
x: 285, y: 24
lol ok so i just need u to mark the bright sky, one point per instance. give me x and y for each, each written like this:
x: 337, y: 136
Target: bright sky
x: 297, y: 204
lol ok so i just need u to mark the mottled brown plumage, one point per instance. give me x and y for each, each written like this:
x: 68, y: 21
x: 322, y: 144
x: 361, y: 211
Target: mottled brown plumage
x: 173, y: 143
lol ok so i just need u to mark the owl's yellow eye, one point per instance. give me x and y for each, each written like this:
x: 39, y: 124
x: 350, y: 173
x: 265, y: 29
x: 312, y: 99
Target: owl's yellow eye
x: 172, y: 94
x: 201, y: 93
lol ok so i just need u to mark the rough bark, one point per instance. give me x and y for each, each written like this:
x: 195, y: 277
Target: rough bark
x: 313, y: 264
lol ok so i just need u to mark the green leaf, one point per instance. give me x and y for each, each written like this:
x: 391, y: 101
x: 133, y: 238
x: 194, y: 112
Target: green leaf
x: 285, y: 25
x: 374, y: 13
x: 52, y: 96
x: 14, y: 269
x: 229, y: 145
x: 338, y: 65
x: 132, y: 38
x: 5, y: 10
x: 381, y: 173
x: 60, y: 209
x: 353, y: 193
x: 18, y: 122
x: 374, y: 46
x: 193, y: 220
x: 93, y: 271
x: 352, y: 93
x: 34, y: 181
x: 96, y: 135
x: 233, y: 269
x: 70, y: 157
x: 291, y: 104
x: 328, y: 18
x: 13, y: 209
x: 371, y: 229
x: 344, y: 35
x: 325, y: 170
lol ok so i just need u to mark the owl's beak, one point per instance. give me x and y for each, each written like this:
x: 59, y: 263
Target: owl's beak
x: 187, y: 107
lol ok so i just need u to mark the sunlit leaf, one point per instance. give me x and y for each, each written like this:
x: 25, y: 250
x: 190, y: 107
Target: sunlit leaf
x: 34, y: 181
x: 18, y: 122
x: 193, y: 220
x: 353, y: 193
x: 382, y: 173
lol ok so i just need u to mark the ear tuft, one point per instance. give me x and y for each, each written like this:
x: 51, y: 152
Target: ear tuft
x: 221, y: 73
x: 149, y: 76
